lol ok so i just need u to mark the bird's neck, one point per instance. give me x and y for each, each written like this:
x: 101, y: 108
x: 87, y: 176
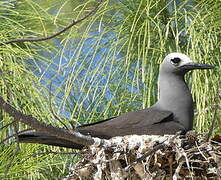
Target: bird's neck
x: 175, y: 96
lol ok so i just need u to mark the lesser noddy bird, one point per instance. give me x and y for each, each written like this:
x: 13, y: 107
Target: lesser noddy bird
x: 172, y: 112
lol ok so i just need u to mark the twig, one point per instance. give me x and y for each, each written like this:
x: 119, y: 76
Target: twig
x: 7, y: 125
x: 57, y: 33
x: 54, y: 152
x: 51, y: 109
x: 150, y: 152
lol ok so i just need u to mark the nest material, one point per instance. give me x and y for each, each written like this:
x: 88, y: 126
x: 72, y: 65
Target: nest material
x: 150, y: 157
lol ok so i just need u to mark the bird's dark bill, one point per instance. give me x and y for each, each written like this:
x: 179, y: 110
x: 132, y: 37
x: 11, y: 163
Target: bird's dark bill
x: 193, y: 65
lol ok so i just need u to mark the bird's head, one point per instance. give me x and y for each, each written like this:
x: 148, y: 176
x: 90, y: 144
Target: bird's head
x: 178, y: 63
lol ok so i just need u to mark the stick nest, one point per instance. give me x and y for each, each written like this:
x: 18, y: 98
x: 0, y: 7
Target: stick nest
x: 150, y: 157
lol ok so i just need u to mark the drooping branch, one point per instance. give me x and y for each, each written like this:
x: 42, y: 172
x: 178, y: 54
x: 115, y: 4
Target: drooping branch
x: 57, y: 33
x: 42, y: 127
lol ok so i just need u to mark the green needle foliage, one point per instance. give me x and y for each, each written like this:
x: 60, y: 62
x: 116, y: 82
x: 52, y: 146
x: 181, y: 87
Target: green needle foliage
x: 104, y: 66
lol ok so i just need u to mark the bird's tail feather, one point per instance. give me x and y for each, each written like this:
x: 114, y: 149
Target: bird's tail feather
x: 40, y: 138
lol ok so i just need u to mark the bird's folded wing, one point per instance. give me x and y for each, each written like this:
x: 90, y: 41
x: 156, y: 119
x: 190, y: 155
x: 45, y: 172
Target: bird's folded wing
x: 148, y: 121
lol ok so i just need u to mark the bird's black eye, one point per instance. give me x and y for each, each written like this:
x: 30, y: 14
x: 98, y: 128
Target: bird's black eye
x: 175, y: 61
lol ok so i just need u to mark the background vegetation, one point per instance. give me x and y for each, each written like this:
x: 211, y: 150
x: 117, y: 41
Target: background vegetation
x: 102, y: 67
